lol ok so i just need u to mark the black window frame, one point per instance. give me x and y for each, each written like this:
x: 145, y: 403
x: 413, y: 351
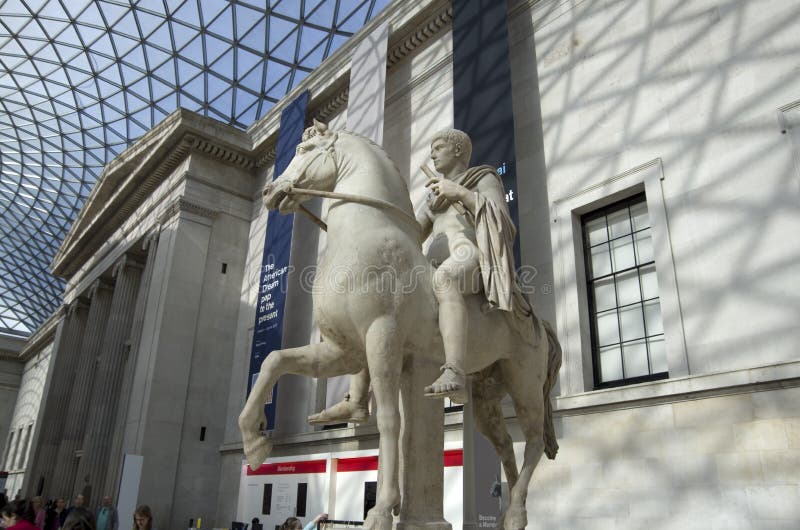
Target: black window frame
x: 586, y: 218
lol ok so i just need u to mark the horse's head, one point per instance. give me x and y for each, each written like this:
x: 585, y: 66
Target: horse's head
x: 313, y: 167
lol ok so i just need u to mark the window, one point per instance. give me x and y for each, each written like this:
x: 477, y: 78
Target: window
x: 622, y: 292
x: 622, y: 219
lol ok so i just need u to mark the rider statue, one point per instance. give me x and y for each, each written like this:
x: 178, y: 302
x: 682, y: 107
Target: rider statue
x: 472, y: 239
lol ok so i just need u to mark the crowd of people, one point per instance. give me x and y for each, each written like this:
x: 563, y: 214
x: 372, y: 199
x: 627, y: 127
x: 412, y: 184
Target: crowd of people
x: 36, y: 514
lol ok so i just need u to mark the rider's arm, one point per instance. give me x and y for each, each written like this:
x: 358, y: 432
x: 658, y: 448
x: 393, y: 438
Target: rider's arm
x: 489, y: 187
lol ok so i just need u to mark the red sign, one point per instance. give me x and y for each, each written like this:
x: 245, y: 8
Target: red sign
x: 290, y: 468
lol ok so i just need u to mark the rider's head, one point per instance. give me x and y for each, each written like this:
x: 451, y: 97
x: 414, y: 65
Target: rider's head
x: 450, y: 147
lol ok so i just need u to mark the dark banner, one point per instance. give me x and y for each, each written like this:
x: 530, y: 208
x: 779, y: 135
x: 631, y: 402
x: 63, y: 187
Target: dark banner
x: 268, y: 330
x: 483, y: 109
x: 482, y: 90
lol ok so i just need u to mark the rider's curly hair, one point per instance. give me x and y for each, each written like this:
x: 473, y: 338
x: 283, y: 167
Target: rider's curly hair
x: 455, y: 137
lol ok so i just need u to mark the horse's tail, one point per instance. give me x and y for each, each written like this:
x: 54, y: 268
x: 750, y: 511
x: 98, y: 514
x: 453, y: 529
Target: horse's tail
x: 553, y: 365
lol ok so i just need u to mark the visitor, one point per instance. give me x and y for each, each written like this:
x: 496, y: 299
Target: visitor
x: 143, y: 518
x: 18, y: 515
x: 39, y: 512
x: 79, y: 518
x: 293, y: 523
x: 107, y: 515
x: 59, y: 514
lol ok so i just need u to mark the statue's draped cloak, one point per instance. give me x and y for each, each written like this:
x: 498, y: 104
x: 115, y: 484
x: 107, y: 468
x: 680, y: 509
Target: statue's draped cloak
x: 494, y: 234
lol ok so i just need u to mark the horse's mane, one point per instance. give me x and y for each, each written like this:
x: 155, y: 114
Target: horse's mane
x: 311, y: 132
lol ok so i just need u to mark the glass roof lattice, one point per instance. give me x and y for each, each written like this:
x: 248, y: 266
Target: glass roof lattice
x: 80, y: 80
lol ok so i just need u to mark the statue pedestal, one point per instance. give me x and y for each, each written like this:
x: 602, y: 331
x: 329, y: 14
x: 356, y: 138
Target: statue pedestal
x: 422, y: 453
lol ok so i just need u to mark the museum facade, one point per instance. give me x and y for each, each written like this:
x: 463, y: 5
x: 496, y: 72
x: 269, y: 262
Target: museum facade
x: 655, y: 156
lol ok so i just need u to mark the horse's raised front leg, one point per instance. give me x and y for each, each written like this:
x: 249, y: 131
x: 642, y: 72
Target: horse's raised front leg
x: 384, y: 360
x: 314, y: 360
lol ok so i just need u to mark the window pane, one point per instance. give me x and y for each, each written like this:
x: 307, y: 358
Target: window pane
x: 607, y: 328
x: 652, y: 318
x: 644, y: 247
x: 622, y: 253
x: 596, y: 231
x: 649, y: 282
x: 628, y: 288
x: 658, y: 354
x: 610, y: 364
x: 639, y: 216
x: 635, y: 357
x: 604, y: 298
x: 618, y: 223
x: 601, y: 261
x: 631, y: 322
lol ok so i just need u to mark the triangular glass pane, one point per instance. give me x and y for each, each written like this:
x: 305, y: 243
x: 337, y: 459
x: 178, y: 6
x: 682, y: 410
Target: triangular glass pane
x: 195, y: 87
x: 194, y: 50
x: 321, y: 14
x: 161, y: 37
x: 246, y: 18
x: 222, y: 24
x: 123, y: 42
x: 148, y: 21
x: 253, y: 79
x: 156, y: 6
x: 181, y: 34
x: 287, y: 49
x: 245, y: 61
x: 166, y: 73
x: 350, y: 18
x: 188, y: 13
x: 186, y: 71
x: 289, y: 8
x: 155, y: 56
x: 88, y: 33
x: 215, y: 48
x: 127, y: 26
x: 280, y: 30
x: 256, y: 38
x: 112, y: 12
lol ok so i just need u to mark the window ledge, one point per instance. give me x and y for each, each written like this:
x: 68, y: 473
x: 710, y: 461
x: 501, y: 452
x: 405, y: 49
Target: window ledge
x: 782, y: 375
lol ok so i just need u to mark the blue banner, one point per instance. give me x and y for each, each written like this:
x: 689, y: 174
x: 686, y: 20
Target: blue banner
x: 482, y: 91
x: 483, y: 109
x: 268, y: 330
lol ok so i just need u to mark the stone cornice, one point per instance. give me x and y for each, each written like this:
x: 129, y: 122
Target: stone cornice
x: 43, y: 335
x: 182, y: 205
x: 128, y: 180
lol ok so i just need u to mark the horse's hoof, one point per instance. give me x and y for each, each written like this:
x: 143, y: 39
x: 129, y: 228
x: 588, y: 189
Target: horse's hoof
x: 378, y: 521
x: 515, y: 519
x: 256, y: 450
x: 342, y: 412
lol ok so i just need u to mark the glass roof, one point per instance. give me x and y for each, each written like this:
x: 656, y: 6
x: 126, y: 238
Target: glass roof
x: 80, y: 80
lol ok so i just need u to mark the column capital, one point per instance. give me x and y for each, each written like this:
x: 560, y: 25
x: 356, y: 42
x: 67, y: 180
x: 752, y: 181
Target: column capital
x: 81, y: 302
x: 97, y: 285
x: 150, y: 240
x: 126, y: 260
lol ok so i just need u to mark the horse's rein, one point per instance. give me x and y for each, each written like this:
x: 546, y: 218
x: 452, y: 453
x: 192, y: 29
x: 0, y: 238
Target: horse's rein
x: 368, y: 201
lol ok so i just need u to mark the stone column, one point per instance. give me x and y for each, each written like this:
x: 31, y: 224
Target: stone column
x: 81, y: 380
x: 108, y: 375
x: 422, y: 453
x: 155, y: 419
x: 130, y: 353
x: 58, y: 388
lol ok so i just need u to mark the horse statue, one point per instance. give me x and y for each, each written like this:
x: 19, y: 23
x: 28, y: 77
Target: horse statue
x: 375, y: 307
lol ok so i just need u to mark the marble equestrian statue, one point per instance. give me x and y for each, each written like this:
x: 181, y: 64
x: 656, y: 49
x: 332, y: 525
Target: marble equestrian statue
x: 382, y: 313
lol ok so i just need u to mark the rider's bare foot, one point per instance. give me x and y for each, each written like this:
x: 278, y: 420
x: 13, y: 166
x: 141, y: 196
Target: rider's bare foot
x: 451, y: 384
x: 346, y: 411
